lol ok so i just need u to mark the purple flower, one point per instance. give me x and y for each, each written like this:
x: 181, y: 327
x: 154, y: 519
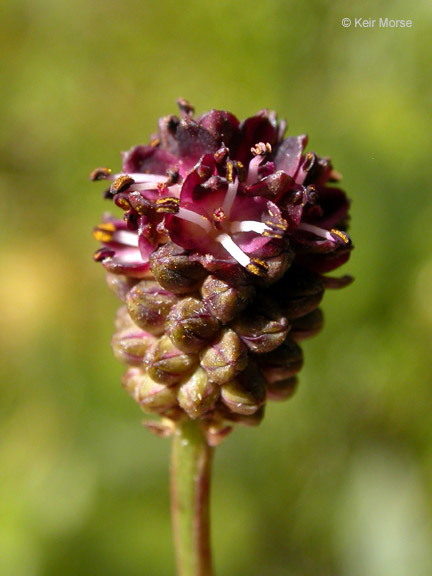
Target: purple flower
x: 228, y: 229
x: 230, y: 193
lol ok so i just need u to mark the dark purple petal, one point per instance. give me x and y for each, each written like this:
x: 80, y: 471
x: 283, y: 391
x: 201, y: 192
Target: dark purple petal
x: 255, y: 129
x: 272, y: 186
x: 289, y: 154
x: 334, y: 206
x: 220, y: 124
x: 193, y: 142
x: 148, y: 159
x: 323, y: 263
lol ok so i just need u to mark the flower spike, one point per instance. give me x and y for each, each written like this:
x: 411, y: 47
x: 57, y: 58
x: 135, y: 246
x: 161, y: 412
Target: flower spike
x: 228, y: 231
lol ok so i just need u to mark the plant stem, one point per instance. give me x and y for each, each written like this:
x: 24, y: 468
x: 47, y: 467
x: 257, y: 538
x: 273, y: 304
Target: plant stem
x: 190, y: 498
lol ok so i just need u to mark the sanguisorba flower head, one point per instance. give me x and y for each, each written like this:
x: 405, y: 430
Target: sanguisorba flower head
x: 220, y: 259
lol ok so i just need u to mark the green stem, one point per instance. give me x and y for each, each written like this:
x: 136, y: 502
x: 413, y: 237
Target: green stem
x: 190, y: 498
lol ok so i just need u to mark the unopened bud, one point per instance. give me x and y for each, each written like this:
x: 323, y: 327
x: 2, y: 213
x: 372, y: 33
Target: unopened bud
x: 190, y: 325
x: 150, y: 395
x: 307, y: 326
x: 174, y: 270
x: 282, y: 389
x: 120, y: 285
x: 130, y: 345
x: 148, y: 304
x: 123, y: 320
x: 281, y: 363
x: 262, y: 330
x: 226, y: 299
x: 277, y: 264
x: 197, y: 395
x: 246, y: 393
x: 166, y: 363
x: 217, y: 432
x: 224, y: 358
x: 246, y: 419
x: 162, y: 429
x: 299, y: 292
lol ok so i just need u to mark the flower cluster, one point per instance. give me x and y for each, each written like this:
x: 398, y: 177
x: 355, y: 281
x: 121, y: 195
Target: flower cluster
x: 227, y: 232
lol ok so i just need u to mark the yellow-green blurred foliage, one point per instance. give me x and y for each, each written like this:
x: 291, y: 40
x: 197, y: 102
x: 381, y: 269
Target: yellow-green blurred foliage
x: 337, y: 481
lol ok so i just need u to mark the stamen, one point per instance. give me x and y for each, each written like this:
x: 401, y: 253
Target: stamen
x: 333, y: 235
x: 229, y: 198
x: 104, y: 232
x: 257, y: 267
x: 248, y: 226
x: 344, y: 237
x: 103, y: 253
x: 121, y: 183
x: 122, y: 202
x: 261, y: 149
x: 185, y: 107
x: 195, y: 218
x: 160, y: 186
x: 146, y: 177
x: 126, y: 238
x: 254, y: 165
x: 100, y: 174
x: 232, y: 249
x: 167, y: 205
x: 321, y: 232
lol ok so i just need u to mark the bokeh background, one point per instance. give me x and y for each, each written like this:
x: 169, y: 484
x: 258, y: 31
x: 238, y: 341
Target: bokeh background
x: 336, y: 482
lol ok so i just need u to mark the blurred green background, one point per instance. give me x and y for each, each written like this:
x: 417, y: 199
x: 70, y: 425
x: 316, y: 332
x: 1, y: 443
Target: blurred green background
x: 336, y: 482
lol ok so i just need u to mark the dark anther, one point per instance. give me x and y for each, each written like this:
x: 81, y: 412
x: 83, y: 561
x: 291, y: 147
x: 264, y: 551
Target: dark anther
x: 261, y: 149
x: 185, y: 107
x: 173, y: 176
x: 122, y: 201
x: 221, y: 155
x: 312, y: 194
x: 309, y: 161
x: 341, y: 236
x: 257, y: 267
x: 104, y: 232
x: 171, y: 123
x: 121, y: 184
x: 100, y: 174
x: 102, y: 253
x: 167, y: 205
x: 240, y: 170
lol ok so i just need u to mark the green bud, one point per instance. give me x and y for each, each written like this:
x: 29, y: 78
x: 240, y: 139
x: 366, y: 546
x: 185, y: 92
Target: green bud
x: 246, y: 393
x: 166, y: 363
x: 120, y: 285
x: 226, y: 298
x: 263, y: 328
x: 281, y: 363
x: 148, y: 304
x: 130, y: 345
x: 123, y: 320
x: 190, y: 325
x: 246, y: 419
x: 174, y: 270
x: 224, y: 358
x: 150, y: 395
x: 197, y: 395
x: 277, y: 264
